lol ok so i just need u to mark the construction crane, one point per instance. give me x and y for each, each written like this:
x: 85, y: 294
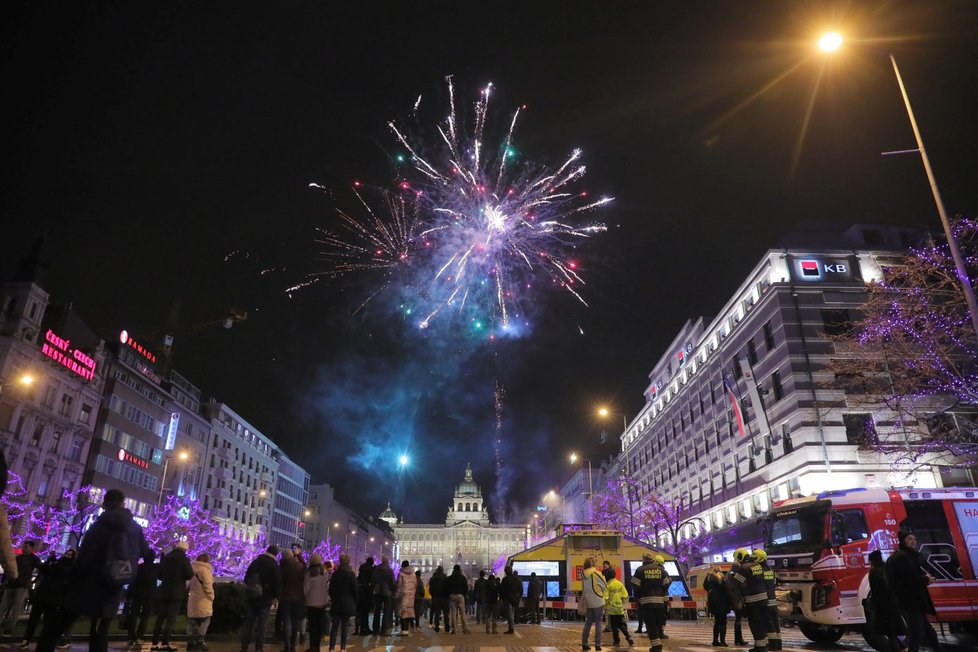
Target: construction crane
x: 165, y: 337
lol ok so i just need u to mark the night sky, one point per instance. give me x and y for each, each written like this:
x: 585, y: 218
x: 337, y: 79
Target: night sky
x: 166, y: 150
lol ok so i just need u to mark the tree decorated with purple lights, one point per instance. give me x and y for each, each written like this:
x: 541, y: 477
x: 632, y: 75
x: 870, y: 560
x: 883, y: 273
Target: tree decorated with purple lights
x: 328, y: 550
x: 53, y: 527
x: 910, y: 360
x: 660, y: 522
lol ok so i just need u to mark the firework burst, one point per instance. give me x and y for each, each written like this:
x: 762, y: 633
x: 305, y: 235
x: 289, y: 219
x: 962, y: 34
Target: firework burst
x: 470, y: 230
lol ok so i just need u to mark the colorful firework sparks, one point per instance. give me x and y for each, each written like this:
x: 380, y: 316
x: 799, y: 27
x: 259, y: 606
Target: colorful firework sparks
x: 470, y: 229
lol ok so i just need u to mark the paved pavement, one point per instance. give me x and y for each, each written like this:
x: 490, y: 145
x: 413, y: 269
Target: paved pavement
x: 684, y: 636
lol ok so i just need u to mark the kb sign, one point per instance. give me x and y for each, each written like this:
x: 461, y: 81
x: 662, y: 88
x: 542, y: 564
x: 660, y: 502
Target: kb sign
x: 822, y: 269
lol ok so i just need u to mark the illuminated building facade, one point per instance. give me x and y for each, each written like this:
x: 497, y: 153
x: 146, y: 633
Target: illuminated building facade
x: 740, y: 411
x: 52, y: 373
x: 358, y: 535
x: 289, y: 502
x: 467, y: 537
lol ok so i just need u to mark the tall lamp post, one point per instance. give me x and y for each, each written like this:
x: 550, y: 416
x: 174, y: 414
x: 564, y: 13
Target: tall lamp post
x: 402, y: 463
x: 831, y: 42
x: 182, y: 456
x: 604, y: 413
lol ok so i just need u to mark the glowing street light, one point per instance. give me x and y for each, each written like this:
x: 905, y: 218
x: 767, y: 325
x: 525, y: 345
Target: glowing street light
x: 573, y: 458
x: 403, y: 461
x: 832, y: 41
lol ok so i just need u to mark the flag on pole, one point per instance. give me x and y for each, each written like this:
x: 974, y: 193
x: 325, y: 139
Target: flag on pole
x: 729, y: 383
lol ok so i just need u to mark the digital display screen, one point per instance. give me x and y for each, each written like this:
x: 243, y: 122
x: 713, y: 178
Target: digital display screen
x: 672, y: 569
x: 553, y: 590
x: 541, y: 568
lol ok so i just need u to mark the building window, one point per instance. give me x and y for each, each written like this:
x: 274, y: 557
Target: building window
x: 736, y: 366
x: 769, y: 336
x: 751, y: 352
x: 36, y: 437
x: 836, y: 322
x: 858, y: 426
x: 776, y: 387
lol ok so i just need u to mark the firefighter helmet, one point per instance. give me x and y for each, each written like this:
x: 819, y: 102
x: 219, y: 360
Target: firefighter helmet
x: 741, y: 554
x: 759, y: 555
x: 659, y: 559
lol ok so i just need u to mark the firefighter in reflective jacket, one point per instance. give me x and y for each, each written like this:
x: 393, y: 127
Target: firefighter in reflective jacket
x: 651, y: 584
x: 773, y: 622
x: 736, y: 592
x: 749, y: 577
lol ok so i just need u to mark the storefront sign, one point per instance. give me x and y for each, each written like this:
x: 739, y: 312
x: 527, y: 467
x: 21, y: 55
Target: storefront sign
x: 125, y: 338
x: 60, y: 350
x: 171, y: 432
x: 822, y: 269
x: 126, y: 456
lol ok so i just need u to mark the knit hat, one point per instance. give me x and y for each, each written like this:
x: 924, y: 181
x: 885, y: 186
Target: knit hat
x: 902, y: 536
x: 183, y: 545
x: 316, y: 559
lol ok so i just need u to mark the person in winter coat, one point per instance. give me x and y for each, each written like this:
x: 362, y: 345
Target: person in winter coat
x: 48, y: 592
x: 438, y: 586
x: 419, y: 600
x: 343, y: 602
x: 315, y: 592
x: 139, y: 597
x: 291, y: 604
x: 17, y: 588
x: 510, y: 592
x: 88, y: 592
x: 383, y: 597
x: 909, y: 582
x: 174, y: 572
x: 200, y: 604
x: 884, y: 624
x: 595, y: 587
x: 406, y: 590
x: 717, y: 604
x: 534, y: 588
x: 263, y: 585
x: 480, y: 598
x: 458, y: 588
x: 365, y: 588
x: 491, y: 603
x: 615, y: 598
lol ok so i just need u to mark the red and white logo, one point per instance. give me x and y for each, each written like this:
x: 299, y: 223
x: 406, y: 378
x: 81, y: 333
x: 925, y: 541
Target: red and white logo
x: 809, y: 268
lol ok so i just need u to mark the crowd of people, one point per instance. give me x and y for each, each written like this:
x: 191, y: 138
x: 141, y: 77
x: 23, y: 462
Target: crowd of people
x: 317, y: 601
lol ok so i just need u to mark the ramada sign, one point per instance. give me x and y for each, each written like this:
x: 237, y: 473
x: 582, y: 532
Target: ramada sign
x: 59, y: 350
x: 126, y: 456
x: 125, y: 338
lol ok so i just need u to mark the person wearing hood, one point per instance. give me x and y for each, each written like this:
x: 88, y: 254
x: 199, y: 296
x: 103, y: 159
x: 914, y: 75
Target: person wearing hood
x: 365, y: 589
x: 174, y: 571
x: 884, y: 624
x: 139, y: 595
x: 343, y: 602
x: 90, y: 592
x: 438, y: 587
x: 315, y: 592
x: 909, y: 581
x: 407, y: 589
x: 615, y: 599
x: 200, y: 604
x: 458, y: 588
x: 292, y: 603
x: 263, y: 584
x: 383, y: 597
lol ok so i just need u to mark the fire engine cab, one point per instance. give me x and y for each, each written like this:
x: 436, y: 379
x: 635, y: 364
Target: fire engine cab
x: 819, y: 546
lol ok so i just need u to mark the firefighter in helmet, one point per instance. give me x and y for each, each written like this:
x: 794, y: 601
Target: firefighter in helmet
x: 651, y: 584
x: 771, y: 583
x: 736, y: 591
x: 749, y: 578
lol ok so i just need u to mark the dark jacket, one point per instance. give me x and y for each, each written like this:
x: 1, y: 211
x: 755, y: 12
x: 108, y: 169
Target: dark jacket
x: 271, y: 579
x: 58, y: 580
x: 365, y: 577
x: 27, y: 563
x: 438, y: 586
x: 534, y: 587
x: 908, y: 581
x: 87, y: 594
x: 293, y: 575
x: 343, y: 592
x: 480, y: 589
x: 457, y: 584
x: 884, y: 612
x: 511, y: 589
x: 383, y: 580
x: 174, y: 572
x: 492, y: 590
x: 717, y: 597
x: 143, y: 586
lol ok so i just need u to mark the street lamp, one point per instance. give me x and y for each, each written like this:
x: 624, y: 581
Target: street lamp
x: 604, y: 413
x: 182, y: 456
x: 590, y: 484
x: 830, y: 43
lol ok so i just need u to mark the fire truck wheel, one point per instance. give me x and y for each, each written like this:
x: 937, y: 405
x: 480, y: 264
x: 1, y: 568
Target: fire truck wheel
x: 821, y: 633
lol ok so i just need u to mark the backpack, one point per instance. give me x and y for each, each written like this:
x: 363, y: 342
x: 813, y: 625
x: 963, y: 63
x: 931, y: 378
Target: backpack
x: 121, y: 559
x: 253, y: 587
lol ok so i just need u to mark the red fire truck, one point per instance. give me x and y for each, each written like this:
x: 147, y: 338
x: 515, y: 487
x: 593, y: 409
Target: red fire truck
x: 820, y: 546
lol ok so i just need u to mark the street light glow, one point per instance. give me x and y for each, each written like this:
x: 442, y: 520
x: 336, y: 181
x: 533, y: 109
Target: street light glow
x: 573, y: 458
x: 830, y: 42
x: 26, y: 379
x: 603, y: 412
x: 403, y: 460
x: 183, y: 455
